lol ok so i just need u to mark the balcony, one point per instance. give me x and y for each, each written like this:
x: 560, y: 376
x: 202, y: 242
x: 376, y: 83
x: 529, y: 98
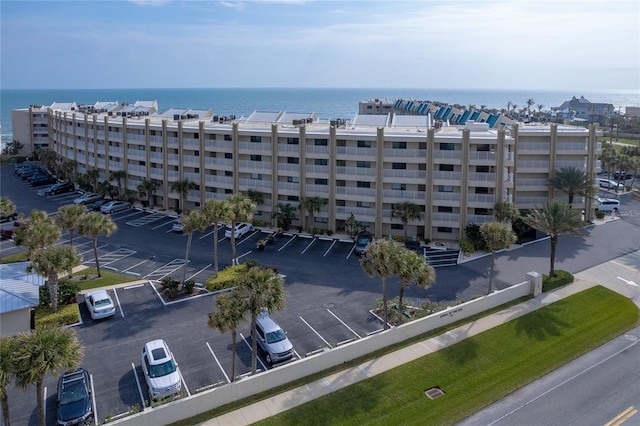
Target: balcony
x: 247, y: 165
x: 317, y: 190
x: 216, y: 162
x: 284, y: 148
x: 572, y: 148
x: 480, y: 219
x: 533, y: 148
x: 351, y: 192
x: 157, y: 156
x: 395, y: 196
x: 215, y: 180
x: 317, y: 149
x: 530, y: 202
x: 447, y: 219
x: 579, y: 164
x: 419, y: 175
x: 447, y: 155
x: 482, y: 158
x: 362, y: 213
x: 482, y: 199
x: 538, y: 184
x: 290, y: 168
x: 136, y: 154
x: 116, y: 151
x: 353, y: 153
x: 449, y: 178
x: 254, y: 148
x: 534, y: 166
x: 405, y: 154
x: 172, y: 141
x: 157, y: 173
x: 255, y: 183
x: 191, y: 143
x: 317, y: 171
x: 193, y: 177
x: 350, y: 173
x: 446, y: 196
x: 288, y: 188
x: 155, y: 140
x: 482, y: 177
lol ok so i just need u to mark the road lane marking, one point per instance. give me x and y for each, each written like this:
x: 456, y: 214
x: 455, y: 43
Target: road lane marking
x: 118, y: 300
x: 622, y: 417
x: 218, y: 362
x: 317, y: 334
x: 624, y: 266
x: 343, y: 323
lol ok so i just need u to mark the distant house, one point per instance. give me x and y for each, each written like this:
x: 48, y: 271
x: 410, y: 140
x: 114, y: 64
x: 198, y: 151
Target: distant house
x: 19, y: 294
x: 584, y: 110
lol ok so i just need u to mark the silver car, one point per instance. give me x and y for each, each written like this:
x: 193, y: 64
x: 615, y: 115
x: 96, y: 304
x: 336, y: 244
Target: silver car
x: 160, y: 369
x: 272, y: 339
x: 115, y: 206
x: 88, y: 198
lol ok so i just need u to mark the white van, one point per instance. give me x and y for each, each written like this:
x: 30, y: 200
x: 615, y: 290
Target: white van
x: 610, y: 184
x: 608, y: 204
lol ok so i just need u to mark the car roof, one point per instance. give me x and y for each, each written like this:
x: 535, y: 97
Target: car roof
x: 158, y: 351
x: 98, y: 293
x: 267, y: 323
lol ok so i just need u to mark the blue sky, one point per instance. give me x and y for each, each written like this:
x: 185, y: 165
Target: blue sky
x: 542, y: 45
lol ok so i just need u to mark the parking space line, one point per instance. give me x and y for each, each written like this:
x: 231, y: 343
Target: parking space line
x: 138, y: 383
x: 134, y: 286
x: 137, y: 264
x: 89, y: 251
x: 164, y: 224
x: 206, y: 235
x: 93, y: 401
x: 287, y: 243
x: 264, y: 367
x: 165, y: 270
x: 124, y: 217
x: 146, y: 219
x: 330, y: 247
x: 351, y: 251
x: 317, y: 334
x: 218, y: 362
x: 118, y: 300
x: 123, y: 253
x: 45, y: 401
x: 343, y: 323
x: 201, y: 270
x: 308, y: 245
x: 247, y: 253
x: 184, y: 383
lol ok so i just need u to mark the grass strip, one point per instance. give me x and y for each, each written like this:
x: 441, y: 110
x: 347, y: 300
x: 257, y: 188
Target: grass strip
x: 478, y: 370
x: 108, y: 278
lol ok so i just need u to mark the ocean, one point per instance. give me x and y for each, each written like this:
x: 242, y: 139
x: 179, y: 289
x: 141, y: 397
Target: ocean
x: 326, y: 103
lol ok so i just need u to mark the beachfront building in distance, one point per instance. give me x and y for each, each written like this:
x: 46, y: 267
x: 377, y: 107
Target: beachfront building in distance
x: 362, y: 165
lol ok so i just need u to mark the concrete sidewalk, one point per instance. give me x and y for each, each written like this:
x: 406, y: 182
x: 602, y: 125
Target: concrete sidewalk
x: 276, y: 404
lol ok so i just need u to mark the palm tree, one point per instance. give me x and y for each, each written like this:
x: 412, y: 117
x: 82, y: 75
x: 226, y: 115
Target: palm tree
x: 69, y: 218
x: 106, y: 188
x: 240, y: 209
x: 256, y: 196
x: 554, y: 219
x: 310, y: 205
x: 573, y: 181
x: 215, y: 212
x: 406, y: 211
x: 190, y: 223
x: 497, y: 236
x: 608, y: 158
x: 118, y: 175
x: 260, y: 289
x: 50, y: 263
x: 503, y: 211
x: 7, y: 372
x: 146, y: 188
x: 93, y: 176
x: 67, y: 168
x: 509, y: 106
x: 182, y: 187
x: 230, y: 314
x: 381, y: 259
x: 530, y: 102
x: 284, y: 215
x: 45, y: 350
x: 412, y: 268
x: 37, y: 232
x: 93, y: 225
x: 6, y: 206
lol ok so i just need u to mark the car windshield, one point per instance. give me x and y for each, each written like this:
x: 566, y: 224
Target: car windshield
x: 364, y: 240
x: 276, y: 336
x: 102, y: 302
x: 163, y: 369
x: 73, y: 392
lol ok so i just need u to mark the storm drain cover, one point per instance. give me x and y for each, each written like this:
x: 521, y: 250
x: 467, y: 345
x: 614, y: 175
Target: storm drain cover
x: 434, y: 393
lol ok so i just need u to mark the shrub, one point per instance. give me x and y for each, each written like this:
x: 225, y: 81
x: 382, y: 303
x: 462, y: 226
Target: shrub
x: 329, y: 232
x: 187, y: 286
x: 600, y: 214
x: 260, y: 223
x: 466, y: 245
x: 317, y: 230
x: 67, y: 292
x: 472, y: 231
x: 67, y: 314
x: 559, y: 279
x: 226, y: 278
x: 172, y: 286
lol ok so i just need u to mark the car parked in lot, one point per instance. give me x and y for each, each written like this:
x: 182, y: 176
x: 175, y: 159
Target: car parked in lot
x: 610, y: 184
x: 177, y: 225
x: 115, y: 206
x: 60, y: 188
x: 7, y: 234
x: 95, y: 206
x: 99, y: 304
x: 160, y: 369
x: 272, y: 339
x: 363, y: 240
x: 608, y: 204
x: 75, y: 405
x: 242, y: 229
x: 9, y: 217
x: 42, y: 179
x: 88, y: 198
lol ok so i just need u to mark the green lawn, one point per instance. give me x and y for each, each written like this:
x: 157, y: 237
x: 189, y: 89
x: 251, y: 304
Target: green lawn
x: 14, y: 258
x: 478, y: 370
x: 108, y: 278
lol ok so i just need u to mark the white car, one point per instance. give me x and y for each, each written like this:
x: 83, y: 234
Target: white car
x: 242, y: 229
x: 177, y: 225
x: 115, y: 206
x: 160, y: 369
x: 610, y: 184
x: 99, y: 304
x: 88, y: 198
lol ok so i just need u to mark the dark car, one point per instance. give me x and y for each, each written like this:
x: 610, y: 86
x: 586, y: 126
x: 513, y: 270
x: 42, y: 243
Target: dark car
x: 95, y: 207
x: 9, y: 218
x: 74, y: 398
x: 41, y: 180
x: 60, y: 188
x: 364, y: 238
x: 7, y: 234
x: 30, y: 172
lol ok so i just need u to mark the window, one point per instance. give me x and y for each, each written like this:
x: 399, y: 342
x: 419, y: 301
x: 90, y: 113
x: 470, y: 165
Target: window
x: 364, y: 144
x: 293, y: 179
x: 399, y: 166
x: 256, y: 157
x: 196, y: 170
x: 445, y: 188
x: 321, y: 162
x: 321, y: 219
x: 341, y: 182
x: 228, y: 155
x: 293, y: 198
x: 322, y: 181
x: 293, y: 160
x: 445, y: 209
x: 196, y: 153
x: 228, y: 173
x: 483, y: 169
x: 364, y: 204
x: 362, y: 184
x: 399, y: 186
x: 445, y: 167
x: 481, y: 211
x: 256, y: 139
x: 445, y: 229
x: 447, y: 146
x: 256, y: 176
x: 399, y: 145
x: 227, y: 137
x: 365, y: 164
x: 293, y: 141
x: 196, y: 135
x: 341, y: 163
x: 397, y: 226
x: 484, y: 147
x: 228, y: 191
x: 321, y: 142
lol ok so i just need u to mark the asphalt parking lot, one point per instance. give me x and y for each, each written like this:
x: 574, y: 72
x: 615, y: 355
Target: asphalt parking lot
x: 328, y: 296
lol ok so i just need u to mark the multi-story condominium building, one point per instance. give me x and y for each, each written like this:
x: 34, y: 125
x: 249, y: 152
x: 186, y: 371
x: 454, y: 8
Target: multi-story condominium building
x: 362, y: 166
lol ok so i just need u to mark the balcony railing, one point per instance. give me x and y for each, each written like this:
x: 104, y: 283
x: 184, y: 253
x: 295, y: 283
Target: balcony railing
x: 445, y: 217
x: 482, y: 177
x: 405, y: 153
x: 317, y: 189
x: 395, y: 194
x: 482, y: 198
x: 445, y: 175
x: 358, y: 192
x: 356, y: 152
x: 479, y: 219
x: 406, y: 174
x: 255, y: 183
x: 217, y: 180
x: 355, y: 171
x: 447, y: 155
x: 359, y: 212
x: 446, y: 196
x: 255, y: 165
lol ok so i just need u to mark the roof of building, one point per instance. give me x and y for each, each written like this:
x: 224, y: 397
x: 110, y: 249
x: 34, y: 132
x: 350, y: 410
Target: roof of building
x: 380, y: 120
x: 20, y: 289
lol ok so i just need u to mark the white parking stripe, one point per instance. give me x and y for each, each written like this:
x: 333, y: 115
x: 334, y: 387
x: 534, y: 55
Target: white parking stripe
x: 218, y: 362
x: 137, y: 264
x: 45, y: 402
x: 118, y: 300
x: 287, y: 243
x: 201, y: 270
x: 184, y: 383
x: 206, y: 235
x: 330, y: 247
x: 264, y: 367
x: 308, y: 245
x: 343, y: 323
x: 93, y: 401
x: 91, y: 251
x: 138, y: 383
x: 164, y: 224
x: 317, y: 334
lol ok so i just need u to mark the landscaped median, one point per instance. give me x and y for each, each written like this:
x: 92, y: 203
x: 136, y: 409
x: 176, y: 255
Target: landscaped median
x: 477, y: 371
